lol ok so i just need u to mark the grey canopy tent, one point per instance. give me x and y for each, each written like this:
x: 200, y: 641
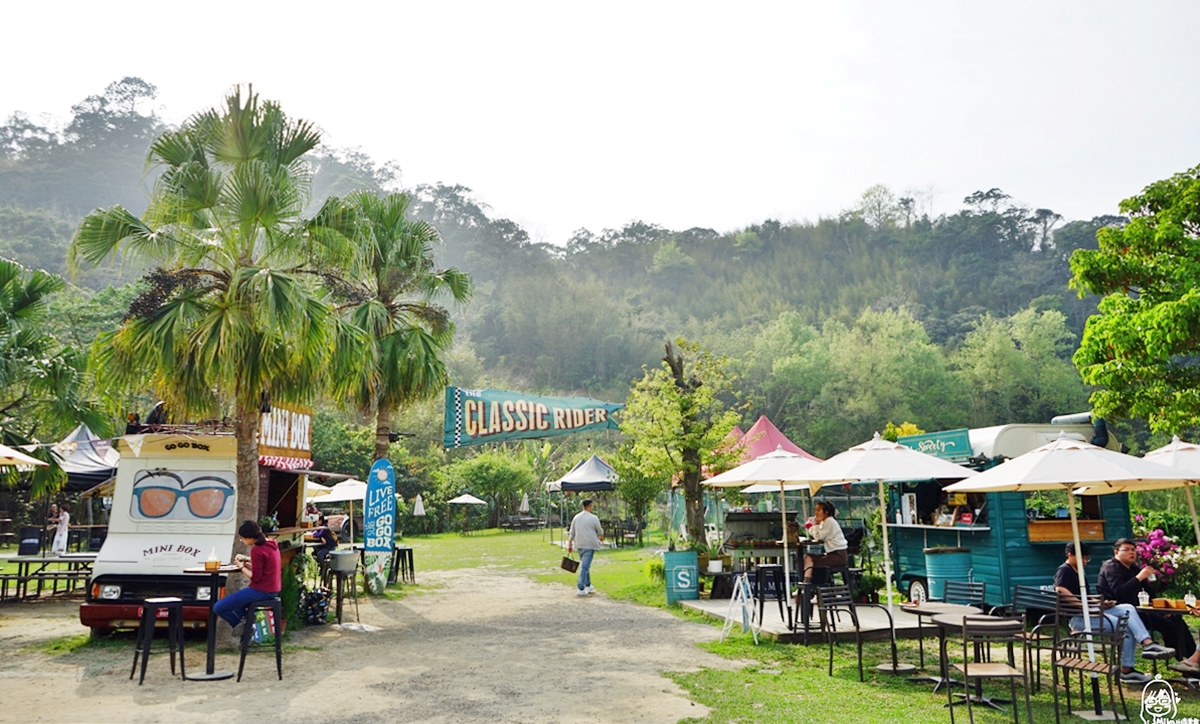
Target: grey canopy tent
x: 588, y: 475
x: 86, y: 459
x: 591, y: 475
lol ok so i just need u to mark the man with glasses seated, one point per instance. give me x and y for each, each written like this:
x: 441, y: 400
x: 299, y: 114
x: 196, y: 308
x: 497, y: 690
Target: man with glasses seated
x: 1066, y: 582
x: 1122, y: 578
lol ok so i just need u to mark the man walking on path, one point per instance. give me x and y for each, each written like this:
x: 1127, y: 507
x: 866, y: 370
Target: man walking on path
x: 587, y: 532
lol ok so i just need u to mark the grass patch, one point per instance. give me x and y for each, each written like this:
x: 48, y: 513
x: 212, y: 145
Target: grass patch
x: 780, y: 682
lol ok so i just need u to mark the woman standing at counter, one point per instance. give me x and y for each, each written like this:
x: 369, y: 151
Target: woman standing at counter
x: 825, y: 529
x: 263, y: 568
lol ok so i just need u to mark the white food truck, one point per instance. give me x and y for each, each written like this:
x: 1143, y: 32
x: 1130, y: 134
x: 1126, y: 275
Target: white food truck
x: 174, y: 504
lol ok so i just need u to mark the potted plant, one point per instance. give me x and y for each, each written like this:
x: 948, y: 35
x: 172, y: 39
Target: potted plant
x: 868, y: 587
x: 268, y: 523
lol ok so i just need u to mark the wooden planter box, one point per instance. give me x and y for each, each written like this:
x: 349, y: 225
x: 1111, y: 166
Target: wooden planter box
x: 1060, y: 530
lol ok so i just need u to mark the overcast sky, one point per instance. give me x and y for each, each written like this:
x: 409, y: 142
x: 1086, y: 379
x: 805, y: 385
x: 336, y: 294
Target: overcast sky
x: 566, y: 115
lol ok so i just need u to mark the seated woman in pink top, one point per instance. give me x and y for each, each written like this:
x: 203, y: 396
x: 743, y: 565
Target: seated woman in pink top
x: 263, y: 568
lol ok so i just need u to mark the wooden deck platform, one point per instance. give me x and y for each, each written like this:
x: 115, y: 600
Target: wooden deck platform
x: 775, y: 628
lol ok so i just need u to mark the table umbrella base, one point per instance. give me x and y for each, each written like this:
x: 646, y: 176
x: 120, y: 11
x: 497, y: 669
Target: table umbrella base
x: 896, y: 669
x: 1104, y: 715
x: 214, y: 676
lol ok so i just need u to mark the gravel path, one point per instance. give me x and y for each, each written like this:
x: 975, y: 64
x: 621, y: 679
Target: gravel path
x: 469, y: 646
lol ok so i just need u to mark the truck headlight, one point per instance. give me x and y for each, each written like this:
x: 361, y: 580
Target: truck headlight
x: 204, y: 593
x: 110, y: 592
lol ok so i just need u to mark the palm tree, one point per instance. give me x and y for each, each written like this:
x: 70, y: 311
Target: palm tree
x: 235, y: 311
x: 41, y: 380
x: 407, y: 329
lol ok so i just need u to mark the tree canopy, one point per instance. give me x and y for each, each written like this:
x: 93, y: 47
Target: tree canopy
x: 1141, y: 349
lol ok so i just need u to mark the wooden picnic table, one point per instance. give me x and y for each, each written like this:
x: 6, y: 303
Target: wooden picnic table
x: 78, y: 566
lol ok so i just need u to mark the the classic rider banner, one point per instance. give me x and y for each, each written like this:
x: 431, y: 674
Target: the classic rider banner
x: 474, y: 417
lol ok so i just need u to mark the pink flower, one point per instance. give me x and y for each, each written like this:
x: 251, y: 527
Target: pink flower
x: 1138, y: 517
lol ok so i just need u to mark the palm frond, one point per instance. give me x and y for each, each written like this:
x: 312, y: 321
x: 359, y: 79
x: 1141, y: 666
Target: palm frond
x: 102, y: 231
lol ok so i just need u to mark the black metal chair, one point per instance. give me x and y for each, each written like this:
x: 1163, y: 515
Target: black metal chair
x: 172, y: 606
x: 1093, y: 654
x: 967, y: 593
x: 778, y: 588
x: 1037, y: 606
x: 837, y: 608
x: 275, y: 606
x: 979, y: 635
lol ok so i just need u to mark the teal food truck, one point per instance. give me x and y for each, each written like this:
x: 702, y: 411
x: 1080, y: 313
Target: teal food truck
x: 1001, y: 539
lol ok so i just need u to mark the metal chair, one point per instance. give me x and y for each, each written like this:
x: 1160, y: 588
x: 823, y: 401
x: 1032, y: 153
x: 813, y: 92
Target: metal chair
x: 979, y: 635
x: 1094, y: 654
x: 836, y: 607
x: 967, y: 593
x: 172, y: 606
x: 275, y: 606
x: 1037, y: 606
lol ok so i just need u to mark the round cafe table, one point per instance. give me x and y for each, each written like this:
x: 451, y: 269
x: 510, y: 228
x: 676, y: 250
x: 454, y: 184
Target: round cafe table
x: 955, y: 620
x: 214, y: 590
x: 931, y: 609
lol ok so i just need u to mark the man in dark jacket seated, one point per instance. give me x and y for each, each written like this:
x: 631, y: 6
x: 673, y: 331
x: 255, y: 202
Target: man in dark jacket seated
x: 1122, y: 578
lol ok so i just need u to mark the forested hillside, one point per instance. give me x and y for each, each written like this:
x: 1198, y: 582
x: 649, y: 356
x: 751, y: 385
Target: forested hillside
x: 832, y: 327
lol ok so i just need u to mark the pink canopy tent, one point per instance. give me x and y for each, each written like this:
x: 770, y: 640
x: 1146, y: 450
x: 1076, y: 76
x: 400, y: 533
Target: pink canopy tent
x: 764, y: 437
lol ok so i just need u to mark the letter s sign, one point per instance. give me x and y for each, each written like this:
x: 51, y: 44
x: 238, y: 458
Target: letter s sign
x: 684, y: 575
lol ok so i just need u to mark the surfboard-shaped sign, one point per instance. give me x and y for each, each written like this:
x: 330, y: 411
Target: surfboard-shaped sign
x: 379, y: 524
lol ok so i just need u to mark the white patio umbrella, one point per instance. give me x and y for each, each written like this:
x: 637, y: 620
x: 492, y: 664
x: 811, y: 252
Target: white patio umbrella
x: 1063, y: 465
x: 466, y: 499
x: 881, y: 460
x: 418, y: 507
x: 777, y: 470
x: 314, y: 490
x: 523, y: 508
x: 1183, y: 456
x: 10, y: 457
x: 347, y: 491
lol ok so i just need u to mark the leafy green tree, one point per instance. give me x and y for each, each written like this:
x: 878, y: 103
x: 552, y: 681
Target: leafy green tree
x: 1017, y: 370
x: 677, y: 422
x: 409, y: 332
x: 637, y: 489
x: 235, y: 314
x: 494, y: 474
x: 1140, y: 349
x: 339, y: 446
x: 42, y: 386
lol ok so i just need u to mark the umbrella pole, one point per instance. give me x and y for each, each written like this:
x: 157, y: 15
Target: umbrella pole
x: 1087, y: 615
x: 787, y: 559
x: 1192, y: 509
x: 887, y: 550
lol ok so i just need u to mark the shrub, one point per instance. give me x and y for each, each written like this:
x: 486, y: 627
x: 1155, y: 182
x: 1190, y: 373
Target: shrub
x: 656, y: 569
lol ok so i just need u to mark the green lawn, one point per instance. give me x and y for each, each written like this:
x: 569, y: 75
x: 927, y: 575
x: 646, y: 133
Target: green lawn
x: 779, y: 682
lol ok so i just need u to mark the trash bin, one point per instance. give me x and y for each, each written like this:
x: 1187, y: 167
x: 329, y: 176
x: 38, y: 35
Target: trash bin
x: 946, y: 564
x: 683, y: 576
x: 31, y: 541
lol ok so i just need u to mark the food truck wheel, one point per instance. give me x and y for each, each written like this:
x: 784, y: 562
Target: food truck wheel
x: 918, y: 590
x: 100, y: 632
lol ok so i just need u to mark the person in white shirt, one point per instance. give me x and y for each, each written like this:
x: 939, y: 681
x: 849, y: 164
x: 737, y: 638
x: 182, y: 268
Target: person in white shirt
x: 62, y: 519
x: 824, y: 528
x: 587, y: 534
